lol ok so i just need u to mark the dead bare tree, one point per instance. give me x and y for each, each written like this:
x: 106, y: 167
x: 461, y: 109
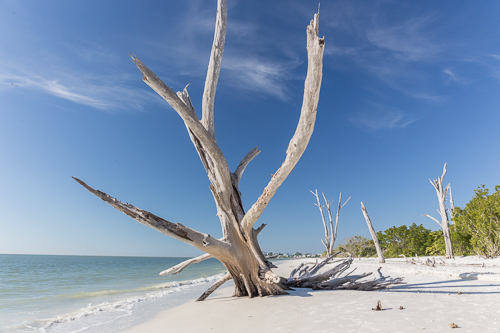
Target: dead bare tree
x: 330, y: 232
x: 381, y: 258
x: 238, y: 249
x: 445, y: 221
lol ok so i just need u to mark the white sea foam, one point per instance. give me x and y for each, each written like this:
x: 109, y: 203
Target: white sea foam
x: 110, y: 311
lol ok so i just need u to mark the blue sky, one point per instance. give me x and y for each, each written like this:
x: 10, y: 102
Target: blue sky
x: 407, y: 86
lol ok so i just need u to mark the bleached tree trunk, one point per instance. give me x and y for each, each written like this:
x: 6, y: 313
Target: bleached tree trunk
x: 381, y: 258
x: 330, y: 232
x: 445, y: 222
x: 238, y: 249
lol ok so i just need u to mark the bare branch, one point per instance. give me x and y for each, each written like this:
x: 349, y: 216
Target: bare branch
x: 381, y: 258
x: 178, y: 231
x: 216, y: 285
x: 259, y: 229
x: 334, y: 232
x: 345, y: 201
x: 180, y: 267
x: 236, y: 176
x: 184, y: 96
x: 328, y: 205
x: 200, y: 136
x: 214, y: 68
x: 444, y: 171
x: 305, y: 127
x: 452, y: 203
x: 433, y: 219
x: 326, y: 242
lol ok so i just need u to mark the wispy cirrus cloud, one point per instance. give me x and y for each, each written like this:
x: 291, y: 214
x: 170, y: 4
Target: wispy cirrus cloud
x: 405, y: 41
x: 382, y: 118
x: 452, y: 76
x: 248, y: 63
x: 259, y: 75
x: 398, y: 49
x: 102, y: 93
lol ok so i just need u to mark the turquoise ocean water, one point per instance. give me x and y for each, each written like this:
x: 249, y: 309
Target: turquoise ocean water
x: 53, y: 294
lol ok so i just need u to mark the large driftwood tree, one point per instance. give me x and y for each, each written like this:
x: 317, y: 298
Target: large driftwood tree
x: 445, y: 221
x: 238, y: 249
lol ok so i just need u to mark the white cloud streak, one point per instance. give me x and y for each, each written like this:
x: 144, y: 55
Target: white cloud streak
x: 380, y: 118
x: 103, y: 94
x: 259, y: 75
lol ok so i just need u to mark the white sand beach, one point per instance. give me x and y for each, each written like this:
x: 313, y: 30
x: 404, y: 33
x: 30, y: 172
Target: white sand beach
x: 463, y: 291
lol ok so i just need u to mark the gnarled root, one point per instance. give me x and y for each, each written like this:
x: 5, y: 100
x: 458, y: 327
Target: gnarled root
x: 309, y: 277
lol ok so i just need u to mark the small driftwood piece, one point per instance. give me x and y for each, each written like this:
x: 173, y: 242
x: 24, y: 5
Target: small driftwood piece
x: 430, y: 262
x: 378, y: 307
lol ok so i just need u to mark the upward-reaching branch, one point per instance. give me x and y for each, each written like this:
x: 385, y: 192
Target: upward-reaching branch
x: 214, y: 68
x: 325, y: 242
x: 215, y: 162
x: 236, y: 176
x: 305, y: 127
x: 334, y: 233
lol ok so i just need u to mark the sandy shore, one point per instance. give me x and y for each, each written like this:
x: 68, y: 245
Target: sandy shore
x: 461, y: 292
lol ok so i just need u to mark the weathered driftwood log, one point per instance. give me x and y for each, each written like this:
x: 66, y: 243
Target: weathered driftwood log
x: 238, y: 249
x: 338, y: 282
x: 310, y: 277
x: 381, y: 258
x: 381, y: 283
x: 445, y: 221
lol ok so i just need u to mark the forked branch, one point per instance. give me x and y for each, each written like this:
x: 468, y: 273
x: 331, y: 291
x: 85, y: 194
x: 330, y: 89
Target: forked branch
x: 219, y: 167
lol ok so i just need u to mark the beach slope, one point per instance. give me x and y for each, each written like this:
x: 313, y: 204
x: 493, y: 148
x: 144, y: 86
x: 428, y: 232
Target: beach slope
x: 460, y: 292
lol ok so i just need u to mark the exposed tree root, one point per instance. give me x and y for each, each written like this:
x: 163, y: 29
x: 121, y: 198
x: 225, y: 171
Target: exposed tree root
x: 309, y: 277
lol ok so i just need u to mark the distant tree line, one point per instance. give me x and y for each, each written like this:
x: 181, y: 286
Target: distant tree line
x: 475, y: 230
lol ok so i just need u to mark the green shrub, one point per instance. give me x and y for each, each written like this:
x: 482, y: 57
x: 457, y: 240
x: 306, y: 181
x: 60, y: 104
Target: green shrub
x: 480, y: 222
x: 409, y: 241
x: 358, y: 246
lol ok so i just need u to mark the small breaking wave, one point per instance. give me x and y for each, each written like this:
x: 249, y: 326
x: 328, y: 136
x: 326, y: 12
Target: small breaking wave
x: 111, y: 311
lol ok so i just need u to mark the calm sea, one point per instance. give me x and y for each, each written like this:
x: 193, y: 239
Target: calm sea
x: 89, y: 294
